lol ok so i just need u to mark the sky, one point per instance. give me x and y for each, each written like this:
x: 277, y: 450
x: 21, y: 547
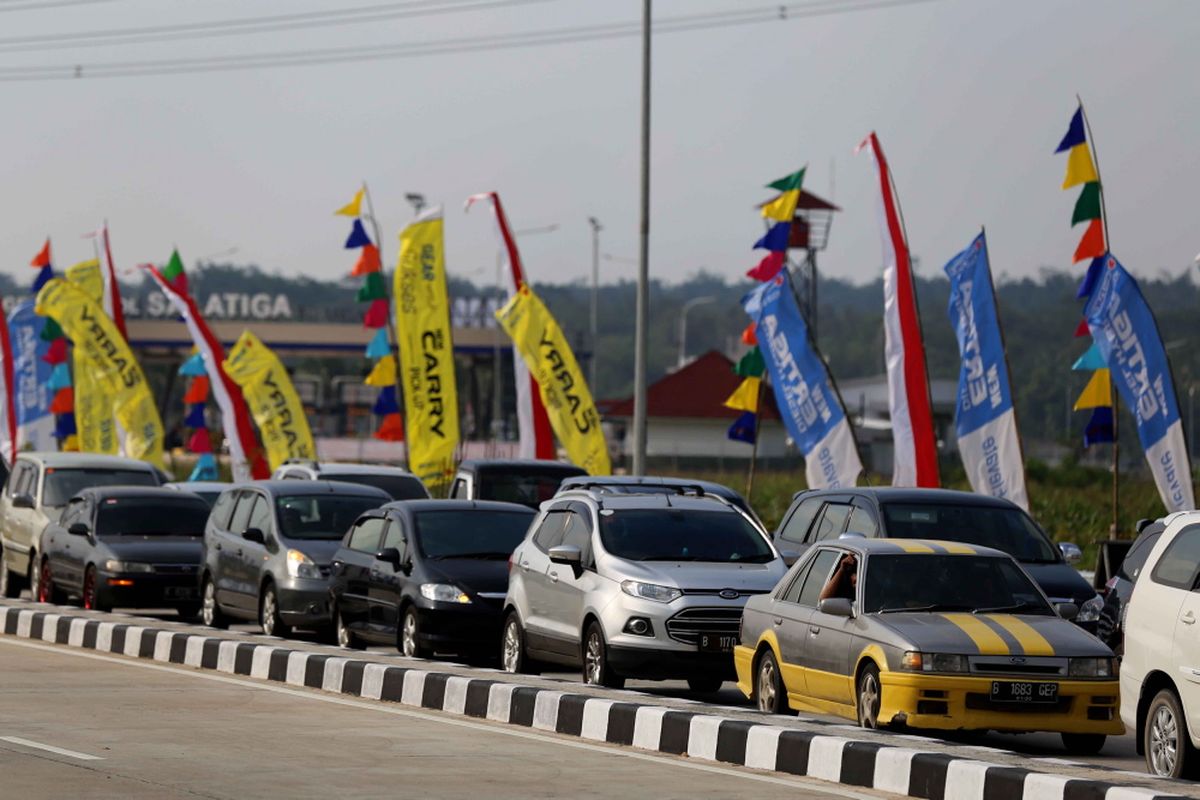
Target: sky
x: 969, y: 99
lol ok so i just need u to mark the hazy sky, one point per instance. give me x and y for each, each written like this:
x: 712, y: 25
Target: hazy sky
x: 969, y: 99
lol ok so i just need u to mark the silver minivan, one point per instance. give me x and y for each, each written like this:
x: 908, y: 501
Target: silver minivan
x: 635, y: 586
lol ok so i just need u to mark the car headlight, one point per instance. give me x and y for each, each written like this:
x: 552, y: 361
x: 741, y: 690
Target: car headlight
x: 651, y: 591
x: 1090, y: 610
x: 934, y: 662
x: 444, y: 593
x: 1091, y: 668
x: 127, y: 566
x: 301, y: 566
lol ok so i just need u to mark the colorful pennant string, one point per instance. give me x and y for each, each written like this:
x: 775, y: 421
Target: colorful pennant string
x: 743, y: 428
x: 378, y: 346
x: 745, y: 396
x: 391, y: 429
x: 205, y: 469
x: 197, y: 392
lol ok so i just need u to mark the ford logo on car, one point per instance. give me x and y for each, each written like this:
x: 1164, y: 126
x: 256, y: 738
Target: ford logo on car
x: 1017, y: 660
x: 730, y: 594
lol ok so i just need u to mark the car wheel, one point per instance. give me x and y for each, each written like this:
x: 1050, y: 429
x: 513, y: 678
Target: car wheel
x: 189, y: 612
x: 268, y: 614
x: 410, y: 636
x: 33, y: 578
x: 596, y: 669
x: 47, y: 591
x: 705, y: 685
x: 769, y: 692
x: 1169, y: 751
x: 210, y: 612
x: 10, y: 585
x: 1083, y: 744
x: 91, y: 592
x: 345, y: 637
x: 512, y: 646
x: 869, y: 695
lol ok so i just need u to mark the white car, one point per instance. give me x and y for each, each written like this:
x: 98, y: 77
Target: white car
x: 1160, y: 673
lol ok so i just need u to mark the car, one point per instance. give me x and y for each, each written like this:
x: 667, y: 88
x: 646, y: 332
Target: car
x: 635, y: 586
x: 879, y: 512
x: 937, y: 635
x: 647, y: 484
x: 209, y: 490
x: 399, y: 483
x: 529, y: 482
x: 125, y: 546
x: 428, y: 576
x: 1111, y: 627
x: 38, y: 489
x: 268, y: 547
x: 1160, y: 670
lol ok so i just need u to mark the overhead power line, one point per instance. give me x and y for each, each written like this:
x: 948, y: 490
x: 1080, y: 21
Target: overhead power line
x: 29, y: 5
x: 492, y: 42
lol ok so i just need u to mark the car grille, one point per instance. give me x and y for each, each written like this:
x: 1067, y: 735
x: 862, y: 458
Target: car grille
x: 717, y: 592
x: 176, y: 569
x: 687, y: 625
x: 1025, y: 666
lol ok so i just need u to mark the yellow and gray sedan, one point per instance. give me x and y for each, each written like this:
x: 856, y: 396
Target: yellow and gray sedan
x: 928, y: 634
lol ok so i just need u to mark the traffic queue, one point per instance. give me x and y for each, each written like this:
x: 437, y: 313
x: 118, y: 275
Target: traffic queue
x: 930, y: 609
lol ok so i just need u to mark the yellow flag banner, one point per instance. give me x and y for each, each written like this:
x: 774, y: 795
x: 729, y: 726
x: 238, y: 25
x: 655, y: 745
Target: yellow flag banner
x: 426, y: 351
x: 561, y: 384
x: 93, y: 404
x: 102, y: 350
x: 87, y: 276
x: 272, y: 399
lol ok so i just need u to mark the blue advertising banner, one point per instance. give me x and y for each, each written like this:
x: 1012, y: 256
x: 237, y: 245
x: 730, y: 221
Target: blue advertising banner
x: 1126, y: 334
x: 31, y: 379
x: 814, y: 418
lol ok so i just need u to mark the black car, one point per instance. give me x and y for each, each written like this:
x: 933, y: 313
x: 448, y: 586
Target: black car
x: 427, y: 575
x: 898, y: 513
x: 656, y: 484
x: 267, y: 550
x: 1111, y: 629
x: 529, y: 482
x: 125, y: 546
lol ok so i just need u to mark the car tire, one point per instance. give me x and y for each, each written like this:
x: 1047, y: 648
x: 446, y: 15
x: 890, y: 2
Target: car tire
x: 869, y: 693
x: 704, y: 685
x: 346, y: 638
x: 596, y: 669
x: 92, y: 599
x: 1083, y: 744
x: 513, y: 658
x: 770, y: 695
x: 33, y: 577
x: 10, y: 584
x: 210, y: 612
x: 1169, y: 751
x: 408, y: 637
x: 47, y: 591
x: 268, y: 613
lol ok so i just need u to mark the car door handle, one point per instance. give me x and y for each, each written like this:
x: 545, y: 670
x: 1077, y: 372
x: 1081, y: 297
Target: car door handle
x: 553, y: 576
x: 525, y: 566
x: 1187, y: 618
x: 814, y: 630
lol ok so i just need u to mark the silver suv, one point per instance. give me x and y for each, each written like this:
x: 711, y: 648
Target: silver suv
x: 635, y: 586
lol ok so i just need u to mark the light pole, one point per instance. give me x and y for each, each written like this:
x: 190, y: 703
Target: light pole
x: 641, y: 339
x: 688, y: 306
x: 596, y: 228
x: 418, y: 202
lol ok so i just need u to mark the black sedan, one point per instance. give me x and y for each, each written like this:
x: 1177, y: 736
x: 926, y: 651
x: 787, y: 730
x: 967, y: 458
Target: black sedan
x: 427, y: 575
x: 125, y: 546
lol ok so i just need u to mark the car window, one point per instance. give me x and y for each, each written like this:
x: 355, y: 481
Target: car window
x: 550, y: 531
x: 1179, y: 562
x: 400, y: 487
x: 63, y: 484
x: 241, y: 514
x: 321, y: 516
x: 578, y: 530
x: 1005, y: 528
x: 527, y: 486
x: 72, y: 514
x: 863, y: 521
x: 260, y: 516
x: 146, y: 516
x: 394, y: 536
x: 20, y: 483
x: 458, y: 490
x: 366, y: 535
x: 1135, y: 559
x: 792, y: 592
x: 833, y: 521
x: 222, y: 509
x: 798, y: 523
x: 293, y: 475
x: 817, y: 576
x: 938, y: 582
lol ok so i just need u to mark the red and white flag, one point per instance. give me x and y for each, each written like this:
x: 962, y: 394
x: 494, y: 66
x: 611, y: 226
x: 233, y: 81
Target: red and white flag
x: 112, y: 290
x: 914, y: 443
x: 8, y: 408
x: 536, y: 435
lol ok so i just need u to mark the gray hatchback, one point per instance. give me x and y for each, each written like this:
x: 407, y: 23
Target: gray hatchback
x: 267, y: 550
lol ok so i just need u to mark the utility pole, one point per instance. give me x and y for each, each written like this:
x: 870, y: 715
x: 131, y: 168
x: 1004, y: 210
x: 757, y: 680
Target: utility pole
x: 596, y: 228
x: 643, y: 281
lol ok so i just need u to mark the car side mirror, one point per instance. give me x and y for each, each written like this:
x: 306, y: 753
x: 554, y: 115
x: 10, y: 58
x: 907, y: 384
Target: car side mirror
x: 22, y: 501
x: 78, y: 529
x: 1142, y: 524
x: 1067, y: 611
x: 389, y: 555
x: 254, y: 535
x: 1071, y: 552
x: 567, y: 554
x: 789, y: 557
x: 836, y: 607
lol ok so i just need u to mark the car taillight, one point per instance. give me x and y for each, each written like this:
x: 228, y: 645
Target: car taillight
x: 510, y: 563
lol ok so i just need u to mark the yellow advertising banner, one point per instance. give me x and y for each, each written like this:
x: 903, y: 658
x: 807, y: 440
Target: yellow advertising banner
x: 93, y: 405
x: 102, y: 351
x: 564, y: 390
x: 272, y: 399
x: 426, y: 352
x: 87, y: 276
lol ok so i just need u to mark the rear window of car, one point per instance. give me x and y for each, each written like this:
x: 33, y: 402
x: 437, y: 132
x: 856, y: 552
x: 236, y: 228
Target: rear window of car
x: 120, y: 516
x: 400, y: 487
x: 673, y: 534
x: 527, y: 487
x: 60, y: 484
x: 1007, y: 529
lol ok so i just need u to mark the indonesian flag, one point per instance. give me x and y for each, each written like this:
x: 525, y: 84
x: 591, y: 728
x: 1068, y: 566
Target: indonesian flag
x: 8, y: 408
x: 914, y: 444
x: 536, y: 435
x: 112, y: 290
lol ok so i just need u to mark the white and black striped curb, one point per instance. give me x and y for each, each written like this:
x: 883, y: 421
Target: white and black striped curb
x: 905, y: 771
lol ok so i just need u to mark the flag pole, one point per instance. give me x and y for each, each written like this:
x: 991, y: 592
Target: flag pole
x: 754, y: 444
x: 393, y: 341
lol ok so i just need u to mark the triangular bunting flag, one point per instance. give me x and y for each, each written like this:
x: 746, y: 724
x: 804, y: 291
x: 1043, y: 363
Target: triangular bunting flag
x: 745, y: 396
x: 1099, y: 427
x: 206, y: 469
x: 1087, y: 207
x: 353, y: 208
x: 174, y: 273
x: 64, y: 425
x: 200, y: 442
x: 42, y: 259
x: 56, y: 353
x: 197, y: 391
x: 1075, y: 135
x: 1082, y: 329
x: 195, y: 417
x: 1098, y: 392
x: 751, y: 365
x: 1089, y: 280
x: 60, y: 377
x: 743, y: 428
x: 788, y: 183
x: 377, y: 314
x: 42, y: 278
x: 193, y: 367
x: 71, y: 444
x: 1080, y: 168
x: 782, y: 208
x: 391, y: 429
x: 386, y: 402
x: 373, y: 288
x: 776, y: 239
x: 748, y: 335
x: 368, y: 261
x: 1092, y: 243
x: 383, y: 373
x: 378, y: 347
x: 51, y: 331
x: 1090, y: 360
x: 358, y: 236
x: 768, y: 268
x: 64, y: 401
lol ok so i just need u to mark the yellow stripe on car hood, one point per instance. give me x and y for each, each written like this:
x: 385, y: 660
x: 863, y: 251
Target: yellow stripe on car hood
x: 1032, y: 642
x: 987, y: 640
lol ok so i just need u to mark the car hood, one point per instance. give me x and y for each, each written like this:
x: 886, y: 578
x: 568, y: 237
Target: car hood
x: 1061, y: 582
x: 991, y: 634
x: 321, y: 551
x: 699, y: 575
x: 474, y: 575
x: 156, y: 549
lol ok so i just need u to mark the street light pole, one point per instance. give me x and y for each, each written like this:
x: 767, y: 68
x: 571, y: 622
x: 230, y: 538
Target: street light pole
x: 688, y: 306
x: 596, y: 228
x: 641, y: 340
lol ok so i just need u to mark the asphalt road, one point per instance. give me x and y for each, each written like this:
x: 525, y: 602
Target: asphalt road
x: 79, y: 724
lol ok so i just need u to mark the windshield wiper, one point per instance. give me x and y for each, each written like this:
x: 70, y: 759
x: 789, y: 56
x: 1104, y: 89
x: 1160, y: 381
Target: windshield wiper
x: 1013, y: 607
x: 930, y: 607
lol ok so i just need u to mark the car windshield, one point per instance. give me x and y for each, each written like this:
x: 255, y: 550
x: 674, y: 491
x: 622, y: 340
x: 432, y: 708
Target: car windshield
x: 528, y: 487
x: 63, y: 484
x: 1135, y: 559
x: 673, y: 534
x: 400, y: 487
x: 935, y: 582
x: 141, y: 516
x: 321, y: 516
x: 1007, y: 529
x: 475, y: 533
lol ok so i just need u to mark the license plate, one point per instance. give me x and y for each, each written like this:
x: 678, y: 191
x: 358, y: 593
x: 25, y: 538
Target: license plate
x: 1024, y: 692
x: 715, y: 643
x: 180, y: 592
